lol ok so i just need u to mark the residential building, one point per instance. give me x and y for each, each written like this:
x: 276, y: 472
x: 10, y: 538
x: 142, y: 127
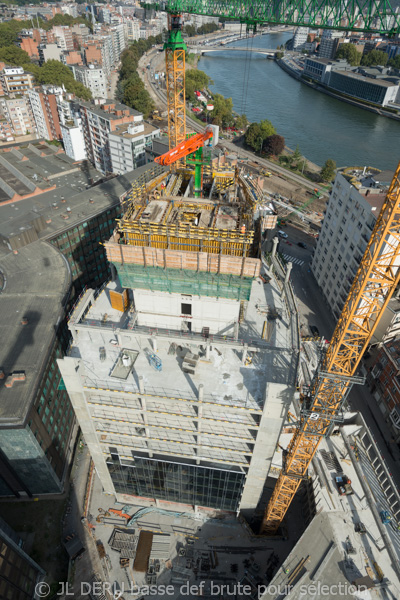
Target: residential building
x: 44, y: 108
x: 118, y: 41
x: 132, y: 30
x: 48, y: 52
x: 93, y: 78
x: 19, y: 574
x: 72, y: 58
x: 128, y: 144
x: 384, y: 380
x: 71, y: 128
x: 98, y: 122
x: 14, y: 80
x: 30, y: 46
x: 329, y: 43
x: 63, y: 36
x: 18, y: 112
x: 354, y: 204
x: 300, y: 38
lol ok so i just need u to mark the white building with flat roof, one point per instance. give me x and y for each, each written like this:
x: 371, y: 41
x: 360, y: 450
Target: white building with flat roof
x: 128, y: 144
x: 354, y: 204
x: 94, y: 78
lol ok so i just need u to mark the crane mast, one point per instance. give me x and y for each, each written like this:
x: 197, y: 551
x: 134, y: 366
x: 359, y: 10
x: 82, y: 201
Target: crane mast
x: 374, y: 284
x: 175, y: 49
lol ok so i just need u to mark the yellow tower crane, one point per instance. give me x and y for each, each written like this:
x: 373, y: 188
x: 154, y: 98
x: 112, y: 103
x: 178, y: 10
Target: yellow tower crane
x: 375, y: 281
x: 374, y: 284
x: 175, y: 49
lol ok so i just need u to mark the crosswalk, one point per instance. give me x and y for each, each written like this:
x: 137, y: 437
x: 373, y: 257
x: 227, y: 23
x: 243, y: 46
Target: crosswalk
x: 292, y: 259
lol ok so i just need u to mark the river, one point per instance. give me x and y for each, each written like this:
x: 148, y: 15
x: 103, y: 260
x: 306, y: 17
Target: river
x: 322, y: 126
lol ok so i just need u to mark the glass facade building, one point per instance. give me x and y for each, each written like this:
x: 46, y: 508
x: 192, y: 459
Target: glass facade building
x: 177, y: 482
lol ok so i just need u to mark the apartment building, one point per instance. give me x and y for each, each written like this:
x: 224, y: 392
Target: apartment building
x: 330, y: 41
x: 128, y: 144
x: 384, y: 379
x: 100, y: 51
x: 43, y: 102
x: 118, y: 41
x: 30, y: 46
x: 132, y: 30
x: 354, y: 204
x: 19, y: 114
x: 63, y: 36
x: 71, y: 128
x: 92, y: 77
x: 48, y: 52
x: 14, y: 80
x: 98, y: 121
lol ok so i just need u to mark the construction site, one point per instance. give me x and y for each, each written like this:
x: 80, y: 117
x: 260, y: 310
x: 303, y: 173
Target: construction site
x: 223, y: 446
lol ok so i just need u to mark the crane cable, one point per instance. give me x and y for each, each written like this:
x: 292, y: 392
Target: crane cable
x: 248, y: 74
x: 246, y: 62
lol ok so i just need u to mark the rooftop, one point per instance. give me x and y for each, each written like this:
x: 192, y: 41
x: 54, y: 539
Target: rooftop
x: 34, y: 281
x: 122, y: 131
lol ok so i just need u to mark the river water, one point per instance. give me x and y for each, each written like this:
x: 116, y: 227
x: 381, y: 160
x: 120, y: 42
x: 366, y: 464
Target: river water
x: 322, y: 126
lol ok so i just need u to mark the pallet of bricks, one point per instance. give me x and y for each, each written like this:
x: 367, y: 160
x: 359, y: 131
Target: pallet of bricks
x: 124, y: 542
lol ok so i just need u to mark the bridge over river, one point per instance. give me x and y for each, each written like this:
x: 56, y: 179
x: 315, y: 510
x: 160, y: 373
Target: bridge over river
x: 207, y: 50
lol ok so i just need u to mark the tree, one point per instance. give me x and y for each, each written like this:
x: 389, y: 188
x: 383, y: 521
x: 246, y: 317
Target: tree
x: 296, y: 157
x: 241, y: 122
x: 395, y: 62
x: 257, y: 133
x: 374, y: 58
x: 279, y: 55
x: 222, y: 113
x: 328, y: 170
x: 13, y: 55
x: 349, y: 52
x: 274, y: 145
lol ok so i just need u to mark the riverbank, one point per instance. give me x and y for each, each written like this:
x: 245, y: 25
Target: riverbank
x: 297, y: 74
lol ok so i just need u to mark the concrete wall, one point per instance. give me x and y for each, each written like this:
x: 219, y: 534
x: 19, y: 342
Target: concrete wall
x: 161, y: 309
x: 72, y: 371
x: 278, y: 399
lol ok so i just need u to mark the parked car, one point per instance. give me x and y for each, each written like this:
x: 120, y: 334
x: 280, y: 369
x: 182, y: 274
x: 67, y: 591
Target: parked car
x: 302, y: 245
x: 283, y: 234
x: 314, y: 330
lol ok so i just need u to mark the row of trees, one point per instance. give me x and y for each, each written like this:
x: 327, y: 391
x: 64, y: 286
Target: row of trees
x: 370, y: 59
x: 130, y: 88
x: 205, y: 29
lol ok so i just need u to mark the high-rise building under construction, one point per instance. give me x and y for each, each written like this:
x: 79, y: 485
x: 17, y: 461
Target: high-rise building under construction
x: 182, y: 368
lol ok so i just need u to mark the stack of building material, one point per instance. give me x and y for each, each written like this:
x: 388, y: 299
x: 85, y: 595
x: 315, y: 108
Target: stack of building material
x: 190, y: 362
x: 160, y: 546
x: 124, y: 542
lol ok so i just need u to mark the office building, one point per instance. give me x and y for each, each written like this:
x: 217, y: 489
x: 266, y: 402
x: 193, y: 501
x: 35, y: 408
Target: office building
x: 19, y: 574
x: 186, y: 419
x: 354, y: 204
x: 49, y: 251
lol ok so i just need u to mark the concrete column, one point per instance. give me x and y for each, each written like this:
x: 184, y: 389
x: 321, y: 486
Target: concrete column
x: 141, y: 384
x: 275, y: 242
x: 201, y: 392
x: 119, y: 338
x: 154, y: 342
x: 208, y: 350
x: 288, y: 269
x: 244, y: 355
x: 236, y: 331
